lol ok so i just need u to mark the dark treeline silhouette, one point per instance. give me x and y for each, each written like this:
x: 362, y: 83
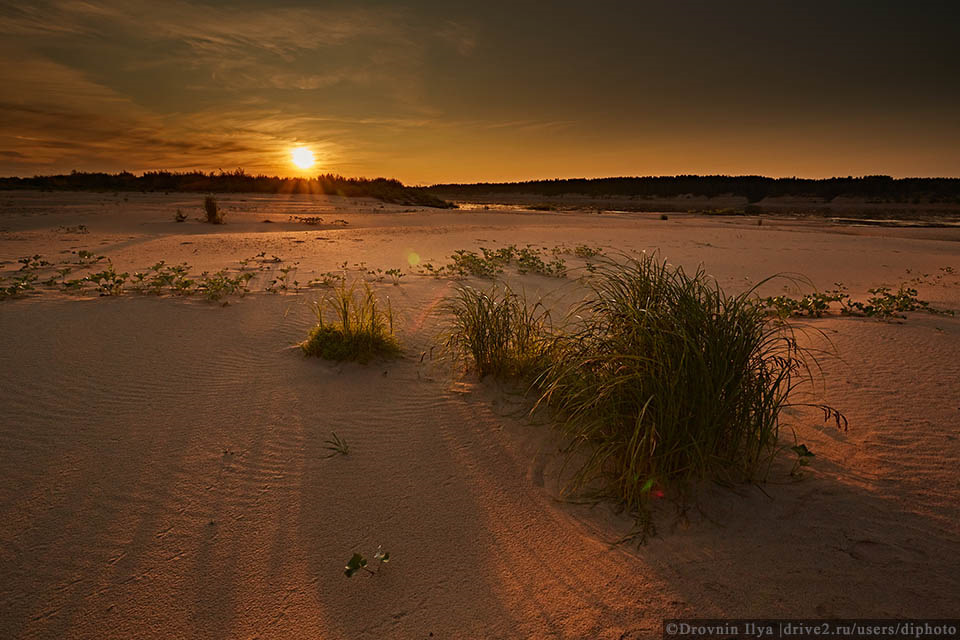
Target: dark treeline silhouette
x: 384, y: 189
x: 753, y: 188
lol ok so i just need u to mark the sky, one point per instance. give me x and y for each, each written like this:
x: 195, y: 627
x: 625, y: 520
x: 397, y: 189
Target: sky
x: 432, y: 91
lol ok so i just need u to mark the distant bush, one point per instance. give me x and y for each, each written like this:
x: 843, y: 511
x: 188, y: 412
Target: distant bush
x: 214, y: 214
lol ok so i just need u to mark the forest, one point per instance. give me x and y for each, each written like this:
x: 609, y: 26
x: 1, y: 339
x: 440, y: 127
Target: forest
x: 384, y: 189
x: 753, y: 188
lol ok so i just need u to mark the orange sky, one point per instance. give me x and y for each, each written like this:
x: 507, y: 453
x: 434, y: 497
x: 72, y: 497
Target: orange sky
x: 428, y: 92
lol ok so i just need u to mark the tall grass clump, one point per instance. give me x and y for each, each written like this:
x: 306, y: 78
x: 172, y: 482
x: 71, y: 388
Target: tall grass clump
x: 501, y: 333
x: 352, y: 324
x: 664, y: 380
x: 214, y: 214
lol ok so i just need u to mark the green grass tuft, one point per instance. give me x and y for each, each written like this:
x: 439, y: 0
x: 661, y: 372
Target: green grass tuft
x: 667, y: 381
x: 352, y: 325
x: 502, y: 334
x: 660, y: 380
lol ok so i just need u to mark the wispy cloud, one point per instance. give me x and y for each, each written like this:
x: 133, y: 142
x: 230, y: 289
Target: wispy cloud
x: 60, y: 119
x: 243, y: 86
x: 203, y: 27
x: 221, y: 65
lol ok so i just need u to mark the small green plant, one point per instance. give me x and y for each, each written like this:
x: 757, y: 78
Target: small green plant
x: 19, y: 286
x: 395, y: 276
x: 358, y: 563
x: 33, y: 263
x: 882, y: 303
x: 586, y: 251
x: 326, y: 279
x: 352, y: 325
x: 62, y: 272
x: 214, y: 213
x: 804, y: 456
x: 885, y: 303
x: 469, y: 263
x: 284, y: 282
x: 813, y: 305
x: 310, y: 220
x: 163, y: 278
x: 108, y: 282
x: 529, y: 260
x: 85, y: 257
x: 74, y: 286
x: 80, y: 229
x: 220, y: 284
x: 258, y: 261
x: 337, y: 445
x: 489, y: 263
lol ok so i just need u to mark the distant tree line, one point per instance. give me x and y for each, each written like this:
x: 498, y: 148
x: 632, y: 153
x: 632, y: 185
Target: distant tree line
x: 753, y: 188
x: 384, y: 189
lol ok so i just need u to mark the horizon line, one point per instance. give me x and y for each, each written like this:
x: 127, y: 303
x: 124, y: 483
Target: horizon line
x: 242, y: 171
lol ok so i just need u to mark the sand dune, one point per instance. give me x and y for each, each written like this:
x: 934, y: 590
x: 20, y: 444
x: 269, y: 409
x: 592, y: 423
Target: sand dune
x: 163, y: 471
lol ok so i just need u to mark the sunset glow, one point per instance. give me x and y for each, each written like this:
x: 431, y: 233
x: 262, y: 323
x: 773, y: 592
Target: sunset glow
x: 427, y: 94
x: 302, y: 157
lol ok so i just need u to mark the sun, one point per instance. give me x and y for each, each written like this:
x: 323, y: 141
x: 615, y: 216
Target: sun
x: 302, y: 157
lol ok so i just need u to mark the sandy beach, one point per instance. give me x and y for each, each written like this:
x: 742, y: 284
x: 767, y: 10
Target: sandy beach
x: 163, y: 471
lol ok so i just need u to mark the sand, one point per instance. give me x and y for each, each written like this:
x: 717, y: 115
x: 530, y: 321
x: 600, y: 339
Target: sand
x: 163, y: 470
